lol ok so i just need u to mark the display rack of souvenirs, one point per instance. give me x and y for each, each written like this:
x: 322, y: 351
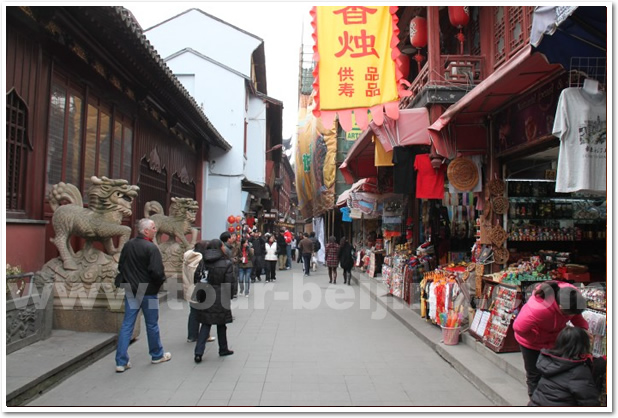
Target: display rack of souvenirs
x: 439, y: 289
x: 596, y: 298
x: 402, y: 269
x: 493, y: 320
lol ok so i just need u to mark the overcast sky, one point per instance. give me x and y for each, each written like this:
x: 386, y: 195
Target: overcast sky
x: 279, y: 24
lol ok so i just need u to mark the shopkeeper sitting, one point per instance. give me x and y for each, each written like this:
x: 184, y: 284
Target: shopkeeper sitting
x: 541, y: 319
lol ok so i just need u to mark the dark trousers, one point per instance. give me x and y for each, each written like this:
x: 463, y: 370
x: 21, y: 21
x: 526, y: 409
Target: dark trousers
x: 200, y: 346
x: 299, y: 255
x: 258, y: 265
x: 332, y: 274
x: 347, y: 275
x: 307, y: 261
x: 193, y: 326
x: 271, y: 270
x: 532, y: 373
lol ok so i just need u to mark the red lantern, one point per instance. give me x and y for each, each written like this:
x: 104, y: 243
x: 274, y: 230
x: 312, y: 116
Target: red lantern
x: 238, y: 227
x: 231, y: 219
x: 238, y: 219
x: 231, y: 229
x: 459, y: 17
x: 418, y: 32
x: 418, y: 37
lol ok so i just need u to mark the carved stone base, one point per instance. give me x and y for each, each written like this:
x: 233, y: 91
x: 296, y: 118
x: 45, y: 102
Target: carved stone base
x: 29, y: 319
x: 93, y: 320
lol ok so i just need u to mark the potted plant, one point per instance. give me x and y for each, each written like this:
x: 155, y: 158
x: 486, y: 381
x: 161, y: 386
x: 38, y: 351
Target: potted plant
x: 18, y: 283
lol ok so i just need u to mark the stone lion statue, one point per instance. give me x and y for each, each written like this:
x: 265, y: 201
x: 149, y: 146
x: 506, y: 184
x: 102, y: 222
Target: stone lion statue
x: 179, y: 222
x: 109, y: 201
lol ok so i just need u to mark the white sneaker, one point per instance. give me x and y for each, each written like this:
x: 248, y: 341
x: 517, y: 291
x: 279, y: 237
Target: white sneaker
x: 246, y: 296
x: 166, y: 357
x: 210, y: 339
x: 121, y: 369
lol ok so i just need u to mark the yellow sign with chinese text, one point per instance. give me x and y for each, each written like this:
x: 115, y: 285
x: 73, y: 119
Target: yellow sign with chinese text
x: 355, y: 68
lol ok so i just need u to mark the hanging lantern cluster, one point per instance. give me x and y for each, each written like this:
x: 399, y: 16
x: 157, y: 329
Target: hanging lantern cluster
x: 234, y: 224
x: 459, y: 17
x: 418, y: 37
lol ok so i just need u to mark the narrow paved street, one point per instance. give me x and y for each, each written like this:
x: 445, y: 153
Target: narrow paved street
x: 297, y: 342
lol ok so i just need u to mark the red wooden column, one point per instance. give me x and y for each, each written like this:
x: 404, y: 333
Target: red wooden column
x: 433, y: 42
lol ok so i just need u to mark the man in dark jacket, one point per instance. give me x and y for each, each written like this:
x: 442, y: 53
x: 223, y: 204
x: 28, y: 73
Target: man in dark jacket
x: 141, y: 275
x: 259, y: 250
x: 230, y: 252
x: 306, y: 248
x: 213, y: 297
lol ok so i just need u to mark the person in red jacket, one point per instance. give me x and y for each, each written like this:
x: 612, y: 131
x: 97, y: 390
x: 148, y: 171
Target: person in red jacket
x: 541, y: 319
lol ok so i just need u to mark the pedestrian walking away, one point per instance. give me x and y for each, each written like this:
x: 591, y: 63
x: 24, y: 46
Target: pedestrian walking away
x: 316, y: 247
x: 567, y: 372
x: 306, y: 248
x: 245, y: 266
x: 288, y: 248
x: 332, y: 259
x: 141, y: 275
x: 212, y: 298
x: 259, y: 249
x: 271, y: 258
x: 346, y: 260
x: 191, y: 260
x: 541, y: 319
x: 281, y: 250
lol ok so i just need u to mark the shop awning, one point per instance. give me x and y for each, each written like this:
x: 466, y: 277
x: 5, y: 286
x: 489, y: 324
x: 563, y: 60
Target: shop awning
x: 360, y: 162
x: 409, y: 129
x: 562, y: 33
x: 523, y: 71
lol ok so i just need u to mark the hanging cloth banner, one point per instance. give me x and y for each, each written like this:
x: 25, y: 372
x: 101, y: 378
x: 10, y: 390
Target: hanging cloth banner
x: 358, y: 65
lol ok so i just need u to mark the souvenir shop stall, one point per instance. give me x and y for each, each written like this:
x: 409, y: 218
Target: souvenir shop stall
x: 364, y: 206
x: 547, y: 220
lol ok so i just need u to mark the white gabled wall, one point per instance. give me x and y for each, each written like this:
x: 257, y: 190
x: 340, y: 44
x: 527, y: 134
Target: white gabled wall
x: 210, y: 37
x: 221, y: 90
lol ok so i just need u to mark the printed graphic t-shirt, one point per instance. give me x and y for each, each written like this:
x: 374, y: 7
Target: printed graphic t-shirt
x: 581, y: 126
x: 429, y: 181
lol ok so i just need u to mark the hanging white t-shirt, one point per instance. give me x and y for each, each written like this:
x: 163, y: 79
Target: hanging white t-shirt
x: 581, y: 126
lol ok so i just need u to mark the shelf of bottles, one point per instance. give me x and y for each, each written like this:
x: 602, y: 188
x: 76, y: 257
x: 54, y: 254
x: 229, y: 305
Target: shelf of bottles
x: 538, y: 213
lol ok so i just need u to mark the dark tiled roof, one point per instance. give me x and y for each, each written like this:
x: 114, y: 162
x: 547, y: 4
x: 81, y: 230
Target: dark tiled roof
x: 117, y: 30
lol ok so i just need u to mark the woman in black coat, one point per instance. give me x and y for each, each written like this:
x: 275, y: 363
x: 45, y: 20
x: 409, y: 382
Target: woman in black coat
x: 346, y: 260
x: 213, y: 279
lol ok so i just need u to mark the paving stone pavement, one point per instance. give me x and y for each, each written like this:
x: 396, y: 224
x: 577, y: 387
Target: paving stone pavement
x: 298, y: 342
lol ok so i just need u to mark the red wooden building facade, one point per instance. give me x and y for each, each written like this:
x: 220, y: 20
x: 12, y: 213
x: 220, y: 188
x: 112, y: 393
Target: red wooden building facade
x: 86, y: 94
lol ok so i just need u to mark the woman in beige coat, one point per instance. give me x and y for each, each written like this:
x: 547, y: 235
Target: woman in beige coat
x: 191, y: 260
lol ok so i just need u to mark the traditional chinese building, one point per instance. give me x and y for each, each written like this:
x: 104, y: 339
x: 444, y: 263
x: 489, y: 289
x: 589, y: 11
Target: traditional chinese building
x: 87, y: 94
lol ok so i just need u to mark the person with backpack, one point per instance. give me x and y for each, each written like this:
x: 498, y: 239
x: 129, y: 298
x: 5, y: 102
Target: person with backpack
x: 214, y: 279
x: 566, y: 372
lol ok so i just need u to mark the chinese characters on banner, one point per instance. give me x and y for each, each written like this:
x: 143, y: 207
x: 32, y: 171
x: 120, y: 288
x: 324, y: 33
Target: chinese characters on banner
x: 358, y: 64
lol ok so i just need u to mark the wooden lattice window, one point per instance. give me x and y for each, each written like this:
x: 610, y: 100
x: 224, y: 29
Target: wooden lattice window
x: 499, y: 35
x: 17, y: 148
x: 152, y: 184
x: 516, y: 27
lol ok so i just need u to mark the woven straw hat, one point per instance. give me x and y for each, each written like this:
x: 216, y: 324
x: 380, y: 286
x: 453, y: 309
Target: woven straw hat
x: 462, y: 174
